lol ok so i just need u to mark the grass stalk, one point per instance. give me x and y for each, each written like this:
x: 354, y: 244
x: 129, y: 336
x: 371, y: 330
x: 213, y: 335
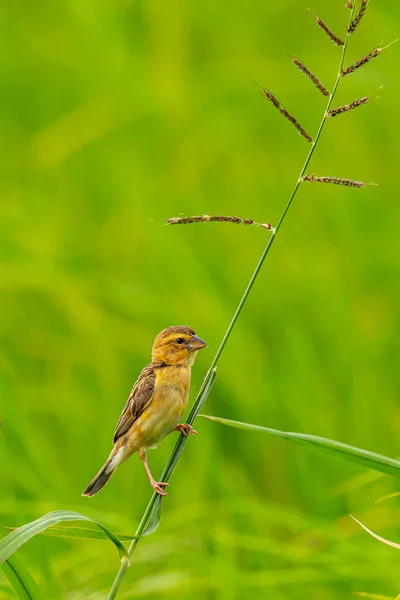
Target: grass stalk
x: 210, y: 375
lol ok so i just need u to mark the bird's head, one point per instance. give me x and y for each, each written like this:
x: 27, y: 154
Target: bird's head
x: 177, y: 345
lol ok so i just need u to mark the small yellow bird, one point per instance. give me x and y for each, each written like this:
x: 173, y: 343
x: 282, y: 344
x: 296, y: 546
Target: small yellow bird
x: 155, y: 405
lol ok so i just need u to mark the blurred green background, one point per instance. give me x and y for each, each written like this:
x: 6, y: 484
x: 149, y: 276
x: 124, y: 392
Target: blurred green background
x: 116, y: 115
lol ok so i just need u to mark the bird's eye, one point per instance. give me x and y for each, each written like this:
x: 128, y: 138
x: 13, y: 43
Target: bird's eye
x: 179, y: 340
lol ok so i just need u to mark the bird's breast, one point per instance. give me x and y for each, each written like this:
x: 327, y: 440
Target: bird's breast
x: 170, y: 399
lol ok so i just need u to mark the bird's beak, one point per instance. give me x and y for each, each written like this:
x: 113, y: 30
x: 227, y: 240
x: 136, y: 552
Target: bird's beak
x: 196, y: 343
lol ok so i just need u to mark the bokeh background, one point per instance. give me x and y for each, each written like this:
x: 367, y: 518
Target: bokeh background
x: 116, y: 115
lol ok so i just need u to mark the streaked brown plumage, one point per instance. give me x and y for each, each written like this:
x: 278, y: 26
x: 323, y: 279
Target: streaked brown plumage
x: 155, y: 405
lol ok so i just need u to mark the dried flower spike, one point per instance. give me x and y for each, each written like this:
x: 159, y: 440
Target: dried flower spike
x: 363, y: 61
x: 357, y: 19
x: 334, y: 180
x: 328, y: 32
x: 346, y: 107
x: 269, y: 96
x: 216, y: 218
x: 349, y: 4
x: 311, y: 76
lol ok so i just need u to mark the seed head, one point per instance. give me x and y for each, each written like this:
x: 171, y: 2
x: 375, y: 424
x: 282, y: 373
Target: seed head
x: 311, y: 76
x: 334, y: 180
x: 216, y: 218
x: 363, y: 61
x: 346, y: 107
x: 357, y: 19
x: 335, y: 39
x: 269, y: 96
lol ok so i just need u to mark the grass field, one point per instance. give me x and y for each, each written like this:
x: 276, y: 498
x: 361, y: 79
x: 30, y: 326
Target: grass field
x: 116, y: 115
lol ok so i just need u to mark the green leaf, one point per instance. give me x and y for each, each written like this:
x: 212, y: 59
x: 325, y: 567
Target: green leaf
x: 155, y: 517
x: 20, y: 579
x: 81, y: 533
x: 390, y: 466
x: 19, y: 536
x: 203, y: 395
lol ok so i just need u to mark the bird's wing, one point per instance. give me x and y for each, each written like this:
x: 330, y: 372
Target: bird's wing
x: 139, y: 399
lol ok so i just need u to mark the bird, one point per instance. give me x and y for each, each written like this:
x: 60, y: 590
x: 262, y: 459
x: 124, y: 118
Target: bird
x: 155, y: 405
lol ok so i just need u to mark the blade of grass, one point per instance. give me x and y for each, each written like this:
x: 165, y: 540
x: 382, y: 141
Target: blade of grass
x: 202, y: 395
x: 80, y: 533
x: 17, y: 538
x: 20, y: 579
x: 374, y: 596
x: 376, y: 536
x: 365, y: 458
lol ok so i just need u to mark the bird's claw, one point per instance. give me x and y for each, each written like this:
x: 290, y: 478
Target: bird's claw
x: 156, y: 485
x: 185, y: 429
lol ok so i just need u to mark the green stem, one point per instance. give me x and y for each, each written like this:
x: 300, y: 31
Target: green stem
x: 119, y: 577
x: 208, y: 379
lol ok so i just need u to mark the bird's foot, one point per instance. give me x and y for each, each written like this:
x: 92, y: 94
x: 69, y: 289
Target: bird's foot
x: 185, y: 429
x: 157, y: 486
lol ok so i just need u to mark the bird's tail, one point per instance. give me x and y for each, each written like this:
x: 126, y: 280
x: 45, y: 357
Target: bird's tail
x: 101, y: 478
